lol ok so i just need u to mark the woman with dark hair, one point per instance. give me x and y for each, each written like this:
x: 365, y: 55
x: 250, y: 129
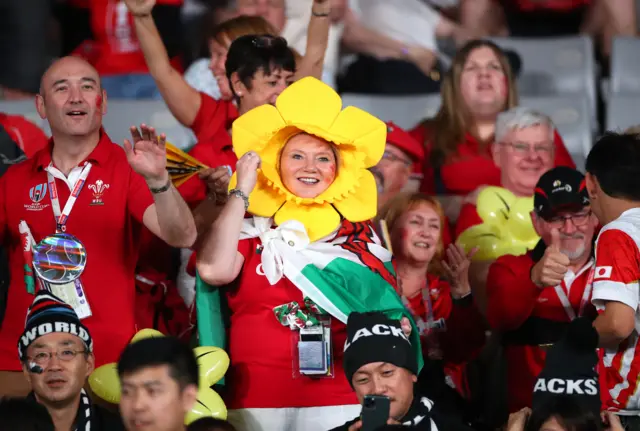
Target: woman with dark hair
x: 269, y: 57
x: 479, y: 85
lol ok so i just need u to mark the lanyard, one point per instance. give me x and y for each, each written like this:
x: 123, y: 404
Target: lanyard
x: 423, y: 326
x: 61, y: 217
x: 564, y: 300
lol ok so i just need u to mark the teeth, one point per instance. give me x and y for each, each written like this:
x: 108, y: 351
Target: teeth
x: 309, y: 180
x: 421, y: 244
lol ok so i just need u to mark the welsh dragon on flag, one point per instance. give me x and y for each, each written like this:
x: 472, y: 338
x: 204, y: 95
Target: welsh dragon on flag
x: 345, y: 272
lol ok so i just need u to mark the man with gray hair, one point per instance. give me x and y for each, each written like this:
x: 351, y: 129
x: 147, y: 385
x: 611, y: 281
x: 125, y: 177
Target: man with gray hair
x: 523, y: 150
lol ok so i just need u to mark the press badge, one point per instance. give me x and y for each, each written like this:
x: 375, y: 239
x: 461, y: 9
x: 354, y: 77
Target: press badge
x: 314, y: 350
x: 72, y: 293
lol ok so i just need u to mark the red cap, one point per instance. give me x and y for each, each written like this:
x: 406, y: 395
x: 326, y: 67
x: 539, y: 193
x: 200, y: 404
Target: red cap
x: 403, y: 140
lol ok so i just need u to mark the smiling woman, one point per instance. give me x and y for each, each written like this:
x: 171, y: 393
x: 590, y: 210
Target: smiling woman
x: 305, y: 258
x: 308, y: 165
x: 436, y: 293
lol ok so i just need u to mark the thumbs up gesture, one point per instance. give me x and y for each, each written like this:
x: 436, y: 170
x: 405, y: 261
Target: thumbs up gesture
x: 550, y: 270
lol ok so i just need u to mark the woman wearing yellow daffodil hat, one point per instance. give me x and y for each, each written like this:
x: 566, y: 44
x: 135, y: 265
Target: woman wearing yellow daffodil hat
x: 305, y: 258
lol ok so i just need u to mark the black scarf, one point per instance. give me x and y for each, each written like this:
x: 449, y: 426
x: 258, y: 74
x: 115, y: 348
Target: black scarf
x: 84, y: 414
x: 420, y: 414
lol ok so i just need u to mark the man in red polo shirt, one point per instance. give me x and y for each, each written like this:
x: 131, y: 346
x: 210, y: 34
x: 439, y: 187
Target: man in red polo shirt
x: 533, y: 297
x: 84, y: 185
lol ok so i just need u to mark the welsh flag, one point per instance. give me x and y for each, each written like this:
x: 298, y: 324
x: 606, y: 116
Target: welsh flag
x: 348, y: 271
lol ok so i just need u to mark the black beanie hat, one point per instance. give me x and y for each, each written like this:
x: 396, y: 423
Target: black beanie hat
x: 48, y: 314
x: 372, y: 337
x: 569, y: 370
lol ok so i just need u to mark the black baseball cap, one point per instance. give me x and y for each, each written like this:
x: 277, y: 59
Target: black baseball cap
x: 560, y: 189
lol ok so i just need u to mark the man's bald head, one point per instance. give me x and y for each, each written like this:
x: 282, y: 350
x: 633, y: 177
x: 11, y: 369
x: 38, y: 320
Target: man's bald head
x: 71, y: 98
x: 66, y: 67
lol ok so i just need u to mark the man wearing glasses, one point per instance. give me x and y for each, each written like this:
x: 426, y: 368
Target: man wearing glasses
x: 56, y: 352
x: 524, y: 151
x: 532, y: 298
x: 403, y: 156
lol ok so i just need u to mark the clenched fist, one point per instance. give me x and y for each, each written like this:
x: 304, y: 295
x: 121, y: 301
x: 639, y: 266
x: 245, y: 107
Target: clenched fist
x: 247, y: 172
x: 550, y: 270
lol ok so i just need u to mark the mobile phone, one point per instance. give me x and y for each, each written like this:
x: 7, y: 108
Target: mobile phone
x: 375, y: 412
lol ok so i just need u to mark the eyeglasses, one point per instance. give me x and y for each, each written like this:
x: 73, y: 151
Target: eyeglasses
x: 389, y: 156
x: 579, y: 219
x: 524, y: 149
x: 43, y: 358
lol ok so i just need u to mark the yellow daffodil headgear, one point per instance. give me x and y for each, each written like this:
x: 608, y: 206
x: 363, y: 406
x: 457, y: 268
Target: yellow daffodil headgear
x: 312, y: 107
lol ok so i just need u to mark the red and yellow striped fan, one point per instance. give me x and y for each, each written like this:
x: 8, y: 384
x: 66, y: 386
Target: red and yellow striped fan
x: 181, y: 166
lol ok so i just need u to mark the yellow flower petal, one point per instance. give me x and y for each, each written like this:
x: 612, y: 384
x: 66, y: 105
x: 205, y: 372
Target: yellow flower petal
x: 319, y: 219
x: 361, y: 205
x: 364, y: 131
x: 309, y: 102
x: 313, y: 107
x: 253, y: 130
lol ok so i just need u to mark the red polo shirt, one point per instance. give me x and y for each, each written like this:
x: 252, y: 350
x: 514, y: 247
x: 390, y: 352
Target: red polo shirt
x: 523, y: 312
x: 108, y: 225
x: 472, y: 165
x: 214, y: 147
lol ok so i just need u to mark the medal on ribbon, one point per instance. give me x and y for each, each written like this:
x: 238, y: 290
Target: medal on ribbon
x: 59, y: 258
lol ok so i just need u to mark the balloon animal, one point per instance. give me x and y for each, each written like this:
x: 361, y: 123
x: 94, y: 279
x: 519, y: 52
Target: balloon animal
x: 212, y: 363
x: 507, y: 227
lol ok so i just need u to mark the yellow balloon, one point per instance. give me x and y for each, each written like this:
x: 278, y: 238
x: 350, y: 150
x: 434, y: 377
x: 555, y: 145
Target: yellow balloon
x: 213, y: 363
x: 208, y: 404
x: 520, y: 225
x: 491, y: 242
x: 146, y: 333
x: 104, y: 382
x: 493, y: 205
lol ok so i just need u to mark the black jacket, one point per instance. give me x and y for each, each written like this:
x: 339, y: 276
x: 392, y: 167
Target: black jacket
x: 423, y: 415
x: 101, y: 418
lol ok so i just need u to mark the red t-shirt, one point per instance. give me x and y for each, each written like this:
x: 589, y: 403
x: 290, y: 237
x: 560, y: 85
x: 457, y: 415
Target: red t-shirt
x: 511, y: 299
x: 616, y: 279
x: 260, y: 348
x: 115, y: 49
x: 473, y: 167
x: 545, y: 5
x: 108, y: 224
x: 214, y: 147
x: 29, y: 137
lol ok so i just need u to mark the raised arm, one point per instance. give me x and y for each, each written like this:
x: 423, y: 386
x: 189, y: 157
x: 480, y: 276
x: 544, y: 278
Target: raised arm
x: 169, y: 217
x: 183, y: 100
x: 219, y: 261
x: 317, y: 40
x: 359, y: 38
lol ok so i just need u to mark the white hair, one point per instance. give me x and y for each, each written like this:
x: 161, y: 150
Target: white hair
x: 521, y: 118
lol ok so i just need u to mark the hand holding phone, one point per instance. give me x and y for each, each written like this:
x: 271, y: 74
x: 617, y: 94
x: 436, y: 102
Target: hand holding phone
x: 375, y: 412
